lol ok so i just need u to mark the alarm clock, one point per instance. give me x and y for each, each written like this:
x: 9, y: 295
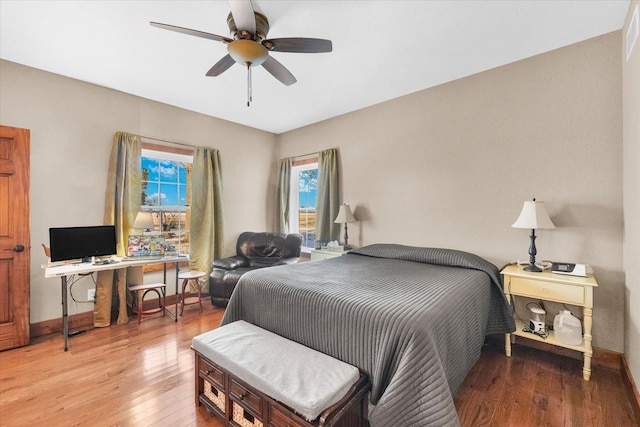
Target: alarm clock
x: 570, y: 269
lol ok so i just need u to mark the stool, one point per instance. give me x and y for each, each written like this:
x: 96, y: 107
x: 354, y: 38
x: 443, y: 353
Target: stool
x: 141, y: 291
x: 191, y: 275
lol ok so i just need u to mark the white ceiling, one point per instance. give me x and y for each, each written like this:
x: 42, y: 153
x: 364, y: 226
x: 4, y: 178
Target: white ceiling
x: 381, y: 49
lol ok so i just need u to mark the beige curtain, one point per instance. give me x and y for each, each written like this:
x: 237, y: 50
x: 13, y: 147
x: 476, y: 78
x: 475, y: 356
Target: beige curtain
x: 207, y: 235
x: 327, y: 204
x: 122, y: 203
x: 283, y: 190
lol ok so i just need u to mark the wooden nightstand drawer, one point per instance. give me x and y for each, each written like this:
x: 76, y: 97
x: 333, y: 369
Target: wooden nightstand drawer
x: 548, y: 291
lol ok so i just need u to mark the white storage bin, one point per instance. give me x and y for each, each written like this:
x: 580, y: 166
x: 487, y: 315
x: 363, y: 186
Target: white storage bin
x: 567, y: 328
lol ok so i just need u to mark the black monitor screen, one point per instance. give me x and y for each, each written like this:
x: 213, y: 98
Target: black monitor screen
x: 70, y: 243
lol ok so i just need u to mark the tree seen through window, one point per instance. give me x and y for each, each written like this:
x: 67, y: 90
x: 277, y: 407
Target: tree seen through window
x: 166, y: 192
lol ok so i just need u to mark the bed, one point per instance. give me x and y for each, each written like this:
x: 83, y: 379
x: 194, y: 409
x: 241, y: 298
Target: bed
x: 413, y: 319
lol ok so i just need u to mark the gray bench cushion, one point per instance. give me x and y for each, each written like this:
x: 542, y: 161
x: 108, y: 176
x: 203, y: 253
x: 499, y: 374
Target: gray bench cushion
x: 302, y: 378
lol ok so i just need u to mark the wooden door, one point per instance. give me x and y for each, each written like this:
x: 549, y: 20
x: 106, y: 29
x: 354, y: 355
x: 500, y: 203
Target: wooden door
x: 14, y: 237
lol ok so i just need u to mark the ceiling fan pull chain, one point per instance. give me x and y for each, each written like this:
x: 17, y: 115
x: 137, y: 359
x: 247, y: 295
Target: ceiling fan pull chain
x: 249, y: 95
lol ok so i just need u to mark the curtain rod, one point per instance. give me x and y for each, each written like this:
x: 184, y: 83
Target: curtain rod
x: 317, y: 154
x: 168, y: 142
x: 306, y: 155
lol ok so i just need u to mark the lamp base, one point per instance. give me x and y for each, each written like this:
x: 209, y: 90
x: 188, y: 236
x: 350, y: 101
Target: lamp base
x: 532, y: 254
x: 533, y: 268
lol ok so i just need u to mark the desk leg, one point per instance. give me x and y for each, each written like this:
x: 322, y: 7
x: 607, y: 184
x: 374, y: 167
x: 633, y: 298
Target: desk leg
x: 65, y: 320
x: 175, y: 313
x: 176, y: 296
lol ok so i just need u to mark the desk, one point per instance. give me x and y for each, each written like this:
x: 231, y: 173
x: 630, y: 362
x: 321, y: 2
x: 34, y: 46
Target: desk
x: 68, y: 270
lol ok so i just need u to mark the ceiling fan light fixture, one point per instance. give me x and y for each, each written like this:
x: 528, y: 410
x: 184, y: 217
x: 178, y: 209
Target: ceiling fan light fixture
x: 247, y: 51
x: 249, y: 46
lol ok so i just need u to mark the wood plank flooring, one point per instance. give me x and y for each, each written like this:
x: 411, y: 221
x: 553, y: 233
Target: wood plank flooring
x: 536, y: 388
x: 142, y: 375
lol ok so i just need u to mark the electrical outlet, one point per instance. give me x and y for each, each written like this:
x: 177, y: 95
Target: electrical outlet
x: 91, y: 294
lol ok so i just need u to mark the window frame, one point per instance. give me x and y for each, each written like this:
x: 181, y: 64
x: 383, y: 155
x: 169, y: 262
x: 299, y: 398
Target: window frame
x: 165, y: 152
x: 294, y: 195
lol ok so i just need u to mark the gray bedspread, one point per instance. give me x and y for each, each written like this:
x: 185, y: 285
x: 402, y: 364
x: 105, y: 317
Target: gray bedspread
x: 413, y: 319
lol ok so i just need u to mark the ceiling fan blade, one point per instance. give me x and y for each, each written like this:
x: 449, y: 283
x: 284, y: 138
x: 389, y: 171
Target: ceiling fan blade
x: 221, y: 66
x: 298, y: 45
x: 243, y: 15
x: 191, y: 32
x: 279, y: 71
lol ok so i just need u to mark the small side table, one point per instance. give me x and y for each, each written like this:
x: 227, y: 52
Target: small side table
x: 559, y: 288
x: 186, y: 277
x: 318, y: 254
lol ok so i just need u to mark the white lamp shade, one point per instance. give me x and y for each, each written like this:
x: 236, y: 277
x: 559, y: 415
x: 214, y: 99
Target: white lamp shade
x: 344, y: 215
x: 144, y: 220
x: 533, y: 216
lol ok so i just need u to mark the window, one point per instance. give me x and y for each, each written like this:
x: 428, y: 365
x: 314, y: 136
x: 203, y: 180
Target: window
x: 302, y: 203
x: 166, y: 192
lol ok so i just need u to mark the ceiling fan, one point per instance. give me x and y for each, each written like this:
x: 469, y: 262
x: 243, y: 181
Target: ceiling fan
x: 248, y: 45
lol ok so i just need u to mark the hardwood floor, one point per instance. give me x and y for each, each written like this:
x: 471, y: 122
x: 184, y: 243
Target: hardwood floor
x: 130, y: 375
x: 537, y: 388
x: 142, y: 375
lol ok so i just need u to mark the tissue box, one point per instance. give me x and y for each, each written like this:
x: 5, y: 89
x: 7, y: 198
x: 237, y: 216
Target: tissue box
x: 334, y: 246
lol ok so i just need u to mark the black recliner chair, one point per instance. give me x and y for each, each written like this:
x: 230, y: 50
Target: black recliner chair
x: 254, y: 250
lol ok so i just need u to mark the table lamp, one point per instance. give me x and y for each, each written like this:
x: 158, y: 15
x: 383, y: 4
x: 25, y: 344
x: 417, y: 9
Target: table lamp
x: 144, y: 220
x: 533, y: 216
x: 344, y: 217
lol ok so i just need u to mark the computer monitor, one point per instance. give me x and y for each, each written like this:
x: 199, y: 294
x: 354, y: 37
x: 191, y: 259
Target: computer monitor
x: 82, y: 243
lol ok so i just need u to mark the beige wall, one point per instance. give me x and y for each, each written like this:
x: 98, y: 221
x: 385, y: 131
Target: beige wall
x: 451, y: 166
x: 72, y: 125
x: 631, y: 179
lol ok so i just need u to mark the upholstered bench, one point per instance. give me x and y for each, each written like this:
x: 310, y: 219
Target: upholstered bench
x: 251, y: 377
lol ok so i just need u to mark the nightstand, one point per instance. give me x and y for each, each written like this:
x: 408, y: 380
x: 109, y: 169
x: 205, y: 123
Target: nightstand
x: 555, y: 287
x: 318, y: 254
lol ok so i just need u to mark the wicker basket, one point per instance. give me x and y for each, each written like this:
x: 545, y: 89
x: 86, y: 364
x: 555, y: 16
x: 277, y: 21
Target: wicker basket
x: 214, y: 395
x: 239, y: 418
